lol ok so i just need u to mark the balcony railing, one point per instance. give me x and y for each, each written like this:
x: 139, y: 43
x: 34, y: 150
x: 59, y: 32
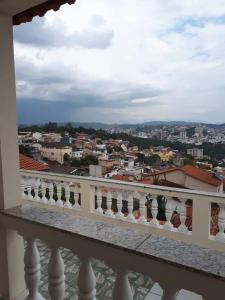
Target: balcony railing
x: 128, y: 226
x: 195, y: 217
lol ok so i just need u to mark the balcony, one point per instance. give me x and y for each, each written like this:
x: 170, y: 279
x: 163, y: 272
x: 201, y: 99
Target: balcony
x: 115, y: 226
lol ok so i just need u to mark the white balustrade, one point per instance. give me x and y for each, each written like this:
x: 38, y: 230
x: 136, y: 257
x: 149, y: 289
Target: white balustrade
x: 32, y: 270
x: 182, y: 211
x: 119, y: 214
x: 51, y: 193
x: 122, y: 288
x: 154, y: 209
x: 56, y: 275
x: 221, y: 223
x: 109, y: 212
x: 86, y: 280
x: 142, y: 208
x: 76, y: 197
x: 67, y: 196
x: 130, y: 203
x: 59, y: 201
x: 99, y: 209
x: 169, y: 211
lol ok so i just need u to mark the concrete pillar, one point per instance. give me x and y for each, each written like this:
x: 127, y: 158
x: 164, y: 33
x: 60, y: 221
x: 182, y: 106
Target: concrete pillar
x: 11, y: 245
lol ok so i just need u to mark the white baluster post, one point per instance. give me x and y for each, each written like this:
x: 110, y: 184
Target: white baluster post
x: 67, y: 196
x: 59, y: 201
x: 99, y: 210
x: 154, y: 222
x: 76, y: 197
x: 119, y: 214
x: 36, y: 191
x: 51, y: 193
x: 86, y: 280
x: 221, y: 223
x: 29, y: 188
x: 109, y: 212
x: 142, y: 208
x: 122, y: 288
x: 182, y: 211
x: 130, y: 203
x: 43, y: 192
x: 56, y: 275
x: 169, y: 211
x: 32, y: 270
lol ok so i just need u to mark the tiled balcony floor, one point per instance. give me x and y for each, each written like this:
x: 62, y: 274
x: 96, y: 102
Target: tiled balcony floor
x: 105, y: 277
x: 143, y: 287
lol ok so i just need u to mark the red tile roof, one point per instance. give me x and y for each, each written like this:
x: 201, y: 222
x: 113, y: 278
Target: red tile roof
x: 28, y: 163
x: 201, y: 175
x: 121, y: 177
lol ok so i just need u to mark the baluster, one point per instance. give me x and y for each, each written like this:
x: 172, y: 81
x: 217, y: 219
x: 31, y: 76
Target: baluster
x: 99, y: 210
x: 122, y: 288
x: 76, y: 197
x: 109, y: 212
x: 169, y: 211
x: 142, y: 208
x: 59, y: 201
x: 130, y: 203
x: 29, y: 189
x: 86, y: 280
x: 221, y: 223
x: 170, y: 293
x: 51, y: 193
x: 56, y: 275
x: 32, y: 270
x: 22, y: 188
x: 36, y: 191
x: 67, y: 196
x: 43, y: 192
x: 119, y: 214
x: 182, y: 211
x: 154, y: 222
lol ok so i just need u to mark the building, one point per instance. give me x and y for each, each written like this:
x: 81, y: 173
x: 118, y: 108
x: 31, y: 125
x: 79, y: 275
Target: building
x: 197, y: 153
x: 183, y: 135
x: 191, y: 178
x: 55, y: 152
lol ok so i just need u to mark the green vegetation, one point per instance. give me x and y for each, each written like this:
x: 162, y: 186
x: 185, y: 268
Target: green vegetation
x: 83, y: 162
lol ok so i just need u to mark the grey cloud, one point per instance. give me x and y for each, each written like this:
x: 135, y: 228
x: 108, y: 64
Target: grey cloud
x: 39, y: 33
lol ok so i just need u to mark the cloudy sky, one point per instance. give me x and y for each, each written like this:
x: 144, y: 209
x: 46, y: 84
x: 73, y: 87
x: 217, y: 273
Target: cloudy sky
x: 123, y: 61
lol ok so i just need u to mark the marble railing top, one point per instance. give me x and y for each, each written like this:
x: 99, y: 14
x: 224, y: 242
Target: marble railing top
x: 191, y: 257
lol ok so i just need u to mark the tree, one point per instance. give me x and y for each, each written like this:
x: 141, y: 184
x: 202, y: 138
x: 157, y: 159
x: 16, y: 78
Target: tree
x: 26, y: 150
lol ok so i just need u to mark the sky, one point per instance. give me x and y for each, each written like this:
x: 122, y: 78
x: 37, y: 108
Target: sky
x: 123, y: 61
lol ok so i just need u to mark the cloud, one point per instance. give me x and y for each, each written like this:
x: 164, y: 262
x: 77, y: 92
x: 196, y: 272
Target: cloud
x: 123, y: 61
x: 40, y: 34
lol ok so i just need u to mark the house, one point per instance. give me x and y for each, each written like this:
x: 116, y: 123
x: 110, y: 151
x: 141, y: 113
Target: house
x: 27, y: 163
x: 55, y: 152
x: 191, y: 177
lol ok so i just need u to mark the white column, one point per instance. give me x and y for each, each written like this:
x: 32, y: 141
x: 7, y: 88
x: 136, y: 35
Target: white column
x: 43, y: 192
x: 130, y: 203
x: 122, y: 288
x: 67, y: 196
x: 32, y: 270
x: 76, y: 197
x: 182, y: 211
x: 142, y: 219
x: 11, y: 245
x: 169, y: 211
x: 22, y: 188
x: 51, y: 193
x: 86, y: 280
x: 109, y: 212
x: 87, y: 198
x: 154, y: 209
x: 56, y: 275
x: 99, y: 210
x: 59, y: 201
x: 119, y: 203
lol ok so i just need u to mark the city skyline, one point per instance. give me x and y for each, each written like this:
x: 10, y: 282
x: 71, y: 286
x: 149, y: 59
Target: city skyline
x: 123, y: 62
